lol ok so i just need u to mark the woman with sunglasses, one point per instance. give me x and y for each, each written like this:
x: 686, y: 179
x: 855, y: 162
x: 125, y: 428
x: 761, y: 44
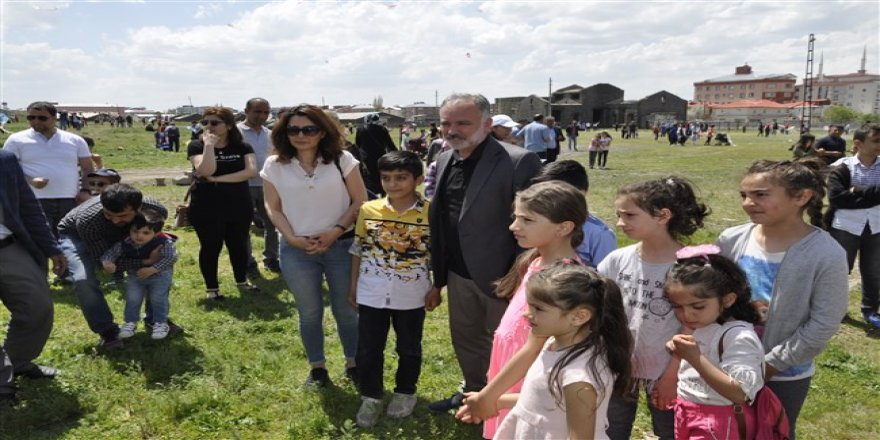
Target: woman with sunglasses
x: 313, y: 192
x: 220, y: 208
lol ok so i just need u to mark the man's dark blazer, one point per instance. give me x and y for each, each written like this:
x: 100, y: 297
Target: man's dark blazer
x: 22, y: 212
x: 487, y: 245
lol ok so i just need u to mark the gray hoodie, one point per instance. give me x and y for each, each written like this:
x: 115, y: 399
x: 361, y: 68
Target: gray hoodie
x: 810, y: 295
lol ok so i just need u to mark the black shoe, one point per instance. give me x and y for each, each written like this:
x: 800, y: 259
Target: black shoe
x: 352, y: 374
x: 110, y: 343
x: 8, y: 400
x: 446, y: 405
x: 247, y: 287
x: 38, y: 372
x: 272, y: 266
x: 318, y: 378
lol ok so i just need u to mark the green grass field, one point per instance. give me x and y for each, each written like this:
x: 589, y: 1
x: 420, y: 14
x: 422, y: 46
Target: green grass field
x: 238, y: 371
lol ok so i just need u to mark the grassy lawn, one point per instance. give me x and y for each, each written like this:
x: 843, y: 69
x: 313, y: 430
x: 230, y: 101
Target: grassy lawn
x: 238, y: 371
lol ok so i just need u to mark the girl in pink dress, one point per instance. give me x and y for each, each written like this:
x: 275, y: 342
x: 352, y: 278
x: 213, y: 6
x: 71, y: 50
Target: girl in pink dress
x: 548, y: 220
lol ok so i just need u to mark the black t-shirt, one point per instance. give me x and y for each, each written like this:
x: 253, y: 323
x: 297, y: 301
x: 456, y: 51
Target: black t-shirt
x: 831, y: 143
x: 458, y: 177
x: 221, y: 201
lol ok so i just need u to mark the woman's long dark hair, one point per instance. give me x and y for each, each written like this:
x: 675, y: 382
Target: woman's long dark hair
x: 329, y: 147
x: 570, y: 286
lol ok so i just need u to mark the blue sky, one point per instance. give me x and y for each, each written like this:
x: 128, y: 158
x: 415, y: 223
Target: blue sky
x: 160, y: 54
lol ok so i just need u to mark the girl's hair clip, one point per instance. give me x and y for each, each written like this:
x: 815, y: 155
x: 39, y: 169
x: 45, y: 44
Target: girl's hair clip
x: 700, y: 251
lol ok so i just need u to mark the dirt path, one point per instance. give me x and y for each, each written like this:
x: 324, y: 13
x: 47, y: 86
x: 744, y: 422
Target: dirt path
x: 129, y: 176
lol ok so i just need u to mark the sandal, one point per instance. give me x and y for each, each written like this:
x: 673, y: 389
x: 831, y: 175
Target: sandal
x: 247, y: 287
x: 215, y: 294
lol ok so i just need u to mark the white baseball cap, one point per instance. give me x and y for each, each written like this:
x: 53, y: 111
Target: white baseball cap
x: 504, y: 121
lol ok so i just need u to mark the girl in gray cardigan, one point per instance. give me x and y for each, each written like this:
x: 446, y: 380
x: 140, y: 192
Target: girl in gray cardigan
x: 797, y: 272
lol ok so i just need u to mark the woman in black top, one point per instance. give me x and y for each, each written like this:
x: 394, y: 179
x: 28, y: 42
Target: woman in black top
x: 221, y: 210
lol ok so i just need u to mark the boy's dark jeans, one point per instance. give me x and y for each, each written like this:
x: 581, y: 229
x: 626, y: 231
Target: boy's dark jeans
x: 867, y: 246
x: 373, y: 327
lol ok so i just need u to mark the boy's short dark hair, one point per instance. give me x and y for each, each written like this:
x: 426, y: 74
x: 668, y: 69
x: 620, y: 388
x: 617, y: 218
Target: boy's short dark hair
x: 401, y: 160
x: 148, y: 218
x: 117, y: 197
x: 568, y: 171
x: 89, y: 141
x: 862, y: 133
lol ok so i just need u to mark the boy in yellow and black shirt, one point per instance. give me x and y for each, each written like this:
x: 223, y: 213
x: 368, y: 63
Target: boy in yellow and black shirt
x: 391, y: 284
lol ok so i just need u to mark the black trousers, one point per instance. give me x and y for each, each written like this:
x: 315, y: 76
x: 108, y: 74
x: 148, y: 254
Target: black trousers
x: 373, y: 327
x: 212, y: 237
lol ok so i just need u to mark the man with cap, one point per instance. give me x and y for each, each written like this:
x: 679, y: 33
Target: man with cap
x: 831, y: 147
x: 25, y: 244
x: 102, y: 178
x: 536, y: 136
x: 55, y: 162
x: 502, y: 128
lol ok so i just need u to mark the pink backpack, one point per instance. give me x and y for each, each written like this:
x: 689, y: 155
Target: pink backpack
x: 771, y: 423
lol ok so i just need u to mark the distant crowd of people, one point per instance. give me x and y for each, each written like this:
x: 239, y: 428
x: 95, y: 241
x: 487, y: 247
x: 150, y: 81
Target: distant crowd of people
x: 556, y: 332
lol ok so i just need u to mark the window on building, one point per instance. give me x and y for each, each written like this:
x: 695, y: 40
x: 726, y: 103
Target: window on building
x: 788, y: 85
x: 742, y: 95
x: 751, y: 95
x: 771, y: 86
x: 742, y: 87
x: 751, y: 86
x: 717, y: 96
x: 717, y: 88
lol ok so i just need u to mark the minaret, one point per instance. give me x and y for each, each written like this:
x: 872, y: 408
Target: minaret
x: 821, y: 63
x: 864, y: 60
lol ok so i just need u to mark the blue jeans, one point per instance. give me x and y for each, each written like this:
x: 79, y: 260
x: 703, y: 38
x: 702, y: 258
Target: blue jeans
x: 155, y: 288
x: 82, y: 267
x: 305, y: 275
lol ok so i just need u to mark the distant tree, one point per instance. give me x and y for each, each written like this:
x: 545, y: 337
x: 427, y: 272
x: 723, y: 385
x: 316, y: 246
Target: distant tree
x: 841, y: 114
x: 377, y: 103
x: 870, y: 117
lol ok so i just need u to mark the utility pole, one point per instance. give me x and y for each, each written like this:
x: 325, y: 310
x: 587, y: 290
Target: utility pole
x: 550, y: 97
x: 806, y: 104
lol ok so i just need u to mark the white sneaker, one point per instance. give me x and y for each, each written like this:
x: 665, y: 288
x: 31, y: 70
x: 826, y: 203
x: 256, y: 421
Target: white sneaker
x: 127, y: 330
x: 401, y: 405
x: 368, y: 414
x: 160, y: 330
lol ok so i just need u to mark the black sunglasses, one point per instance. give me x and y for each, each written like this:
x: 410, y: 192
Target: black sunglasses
x: 308, y: 130
x: 213, y: 122
x: 43, y: 118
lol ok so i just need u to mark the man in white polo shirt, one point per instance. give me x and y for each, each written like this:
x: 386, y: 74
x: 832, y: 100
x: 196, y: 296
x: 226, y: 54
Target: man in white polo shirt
x: 56, y: 163
x: 253, y: 132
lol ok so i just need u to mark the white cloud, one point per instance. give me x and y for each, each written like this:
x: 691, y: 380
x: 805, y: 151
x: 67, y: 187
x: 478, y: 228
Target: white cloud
x: 206, y: 10
x: 350, y: 52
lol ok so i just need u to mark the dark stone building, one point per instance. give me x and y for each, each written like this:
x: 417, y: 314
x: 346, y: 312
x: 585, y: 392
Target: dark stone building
x: 601, y: 104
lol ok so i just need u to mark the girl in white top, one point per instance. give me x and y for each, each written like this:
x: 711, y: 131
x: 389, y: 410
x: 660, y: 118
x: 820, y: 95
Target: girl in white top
x: 313, y: 191
x: 586, y: 357
x: 722, y: 359
x: 660, y: 214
